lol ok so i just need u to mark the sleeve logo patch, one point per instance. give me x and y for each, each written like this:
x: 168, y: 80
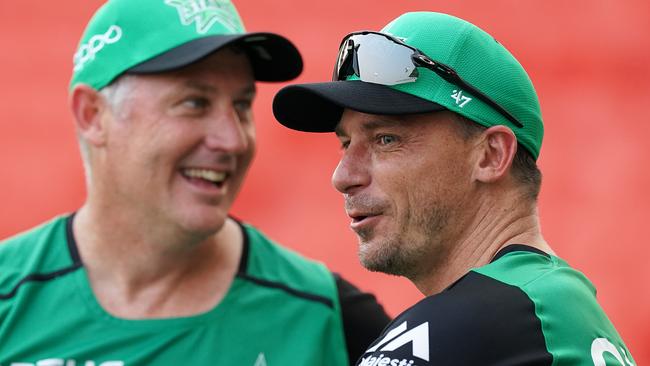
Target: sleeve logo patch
x: 601, y: 346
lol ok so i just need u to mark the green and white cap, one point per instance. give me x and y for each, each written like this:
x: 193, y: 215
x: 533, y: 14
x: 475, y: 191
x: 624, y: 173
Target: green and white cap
x: 475, y: 55
x: 152, y: 36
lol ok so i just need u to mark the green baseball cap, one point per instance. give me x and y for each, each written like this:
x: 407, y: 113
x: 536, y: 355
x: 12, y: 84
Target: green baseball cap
x: 475, y: 56
x: 152, y: 36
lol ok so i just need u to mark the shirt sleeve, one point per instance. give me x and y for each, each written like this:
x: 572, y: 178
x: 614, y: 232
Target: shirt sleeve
x: 476, y: 321
x: 363, y: 318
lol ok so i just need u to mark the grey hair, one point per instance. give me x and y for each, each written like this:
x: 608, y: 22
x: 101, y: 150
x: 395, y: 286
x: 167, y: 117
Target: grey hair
x: 113, y: 94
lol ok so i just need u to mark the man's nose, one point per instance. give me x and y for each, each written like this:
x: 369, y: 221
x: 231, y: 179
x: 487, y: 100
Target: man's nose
x: 353, y: 170
x: 226, y: 132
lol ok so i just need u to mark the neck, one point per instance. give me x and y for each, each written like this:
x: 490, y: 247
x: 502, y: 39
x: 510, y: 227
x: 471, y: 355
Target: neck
x: 493, y: 226
x: 140, y: 269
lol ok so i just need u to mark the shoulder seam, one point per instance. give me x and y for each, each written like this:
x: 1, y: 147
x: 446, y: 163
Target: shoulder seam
x: 552, y: 266
x: 40, y: 277
x: 291, y: 291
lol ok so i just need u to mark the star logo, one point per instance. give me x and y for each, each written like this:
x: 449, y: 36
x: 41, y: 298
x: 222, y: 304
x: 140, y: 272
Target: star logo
x: 207, y: 12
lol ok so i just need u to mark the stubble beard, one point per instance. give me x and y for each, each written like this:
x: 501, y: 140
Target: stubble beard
x: 407, y: 253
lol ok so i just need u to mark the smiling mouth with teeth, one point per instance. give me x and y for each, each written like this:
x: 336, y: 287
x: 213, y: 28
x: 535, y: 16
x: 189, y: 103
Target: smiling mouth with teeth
x: 211, y: 176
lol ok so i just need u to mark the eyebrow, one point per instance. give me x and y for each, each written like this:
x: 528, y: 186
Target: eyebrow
x: 249, y: 90
x: 367, y: 125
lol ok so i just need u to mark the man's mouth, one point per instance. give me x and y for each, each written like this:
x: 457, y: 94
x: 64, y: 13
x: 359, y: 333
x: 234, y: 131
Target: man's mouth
x: 364, y: 211
x: 210, y: 176
x: 358, y: 217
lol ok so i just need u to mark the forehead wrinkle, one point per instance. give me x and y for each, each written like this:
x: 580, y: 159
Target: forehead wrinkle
x: 200, y: 86
x: 369, y: 124
x: 376, y: 123
x: 382, y: 122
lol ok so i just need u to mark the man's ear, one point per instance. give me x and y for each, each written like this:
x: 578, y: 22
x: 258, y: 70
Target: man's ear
x: 89, y: 108
x: 497, y: 149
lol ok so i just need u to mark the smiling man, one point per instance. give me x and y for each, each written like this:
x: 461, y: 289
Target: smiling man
x: 152, y: 270
x: 440, y: 129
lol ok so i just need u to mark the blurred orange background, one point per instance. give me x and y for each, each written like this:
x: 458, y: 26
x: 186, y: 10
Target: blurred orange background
x: 589, y: 61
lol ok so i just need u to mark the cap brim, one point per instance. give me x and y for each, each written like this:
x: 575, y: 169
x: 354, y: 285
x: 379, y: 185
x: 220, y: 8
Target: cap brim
x: 318, y: 107
x: 273, y: 57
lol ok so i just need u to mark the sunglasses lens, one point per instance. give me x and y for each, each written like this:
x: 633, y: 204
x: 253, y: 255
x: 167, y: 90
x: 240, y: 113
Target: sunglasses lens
x: 383, y: 61
x: 377, y: 59
x: 342, y: 59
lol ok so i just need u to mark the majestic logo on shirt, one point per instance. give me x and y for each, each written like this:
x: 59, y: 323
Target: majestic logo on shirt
x: 600, y: 346
x: 207, y: 12
x: 397, y: 338
x: 383, y: 360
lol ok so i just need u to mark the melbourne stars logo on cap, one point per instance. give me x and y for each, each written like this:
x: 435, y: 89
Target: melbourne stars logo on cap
x: 205, y: 13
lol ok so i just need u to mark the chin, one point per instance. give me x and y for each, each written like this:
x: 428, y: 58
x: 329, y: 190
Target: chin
x: 383, y: 255
x: 374, y: 256
x: 204, y: 224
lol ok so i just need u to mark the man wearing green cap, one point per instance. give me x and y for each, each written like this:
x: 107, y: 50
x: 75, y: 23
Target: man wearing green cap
x: 440, y: 128
x: 152, y: 270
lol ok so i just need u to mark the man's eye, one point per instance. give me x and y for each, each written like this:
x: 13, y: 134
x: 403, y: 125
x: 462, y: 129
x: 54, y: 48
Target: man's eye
x: 196, y: 103
x: 243, y: 105
x: 386, y: 139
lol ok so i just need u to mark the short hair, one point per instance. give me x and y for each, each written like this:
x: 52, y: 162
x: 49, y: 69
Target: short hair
x: 114, y: 98
x: 524, y: 166
x: 115, y: 93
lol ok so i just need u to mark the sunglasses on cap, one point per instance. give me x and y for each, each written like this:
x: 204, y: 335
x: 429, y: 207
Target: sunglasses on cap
x: 383, y: 59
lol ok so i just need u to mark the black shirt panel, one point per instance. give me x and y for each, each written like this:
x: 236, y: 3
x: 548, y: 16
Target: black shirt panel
x: 363, y: 317
x: 476, y: 321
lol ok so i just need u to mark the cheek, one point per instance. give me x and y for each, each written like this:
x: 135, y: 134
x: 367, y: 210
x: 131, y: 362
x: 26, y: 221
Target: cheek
x: 420, y: 184
x: 251, y: 139
x: 251, y: 134
x: 398, y: 185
